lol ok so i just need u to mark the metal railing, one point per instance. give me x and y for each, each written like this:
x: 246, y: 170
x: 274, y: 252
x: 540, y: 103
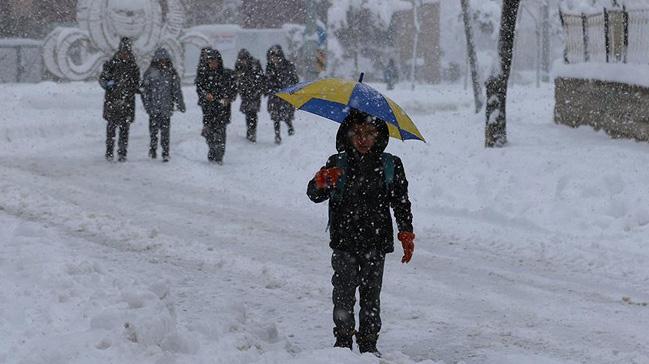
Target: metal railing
x: 614, y: 36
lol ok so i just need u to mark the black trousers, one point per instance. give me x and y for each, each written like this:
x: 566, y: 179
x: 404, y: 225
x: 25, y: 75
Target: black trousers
x: 251, y: 123
x: 214, y: 132
x: 111, y: 130
x: 215, y: 137
x: 365, y: 272
x: 278, y: 124
x: 160, y: 124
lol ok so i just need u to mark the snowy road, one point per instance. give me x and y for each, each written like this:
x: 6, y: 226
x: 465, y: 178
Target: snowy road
x: 524, y: 255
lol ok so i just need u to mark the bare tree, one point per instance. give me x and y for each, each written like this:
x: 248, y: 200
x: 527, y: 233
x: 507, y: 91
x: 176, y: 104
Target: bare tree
x: 538, y: 33
x: 473, y: 58
x: 496, y: 128
x: 415, y: 44
x: 545, y: 15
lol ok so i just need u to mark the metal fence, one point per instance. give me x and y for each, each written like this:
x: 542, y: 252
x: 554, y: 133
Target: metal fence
x: 614, y: 35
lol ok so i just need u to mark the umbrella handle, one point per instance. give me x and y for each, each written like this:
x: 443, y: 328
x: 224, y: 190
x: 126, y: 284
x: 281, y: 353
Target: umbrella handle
x: 360, y: 79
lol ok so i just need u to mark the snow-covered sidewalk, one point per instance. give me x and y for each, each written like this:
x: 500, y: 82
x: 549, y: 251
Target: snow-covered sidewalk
x: 535, y: 253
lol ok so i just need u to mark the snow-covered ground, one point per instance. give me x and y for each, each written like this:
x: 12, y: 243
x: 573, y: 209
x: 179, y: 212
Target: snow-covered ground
x: 535, y: 253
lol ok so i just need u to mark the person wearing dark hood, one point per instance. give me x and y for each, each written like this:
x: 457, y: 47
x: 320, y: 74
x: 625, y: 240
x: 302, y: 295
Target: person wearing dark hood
x: 390, y: 74
x: 216, y: 88
x: 120, y: 78
x: 280, y: 73
x: 362, y: 183
x: 250, y: 85
x: 161, y: 92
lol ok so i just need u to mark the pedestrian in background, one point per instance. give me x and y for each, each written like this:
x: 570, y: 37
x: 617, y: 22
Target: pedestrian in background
x: 120, y: 78
x: 216, y: 88
x: 161, y: 93
x: 280, y: 73
x: 391, y: 74
x: 250, y: 86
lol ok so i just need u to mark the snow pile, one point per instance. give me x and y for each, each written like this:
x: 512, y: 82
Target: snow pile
x: 61, y: 306
x: 69, y: 309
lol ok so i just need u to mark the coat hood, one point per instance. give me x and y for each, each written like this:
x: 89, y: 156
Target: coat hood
x: 202, y: 61
x: 275, y: 50
x: 125, y: 45
x: 343, y: 142
x: 244, y: 55
x: 214, y: 54
x: 160, y: 55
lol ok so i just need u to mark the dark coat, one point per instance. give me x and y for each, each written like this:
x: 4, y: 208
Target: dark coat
x: 121, y: 80
x: 161, y: 89
x: 391, y: 75
x: 279, y: 75
x: 250, y: 82
x: 221, y: 83
x: 360, y: 220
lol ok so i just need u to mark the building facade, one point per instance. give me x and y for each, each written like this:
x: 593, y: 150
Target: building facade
x: 428, y: 61
x: 34, y: 18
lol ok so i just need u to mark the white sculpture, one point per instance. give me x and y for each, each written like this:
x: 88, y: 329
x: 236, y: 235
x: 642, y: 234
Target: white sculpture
x: 78, y: 53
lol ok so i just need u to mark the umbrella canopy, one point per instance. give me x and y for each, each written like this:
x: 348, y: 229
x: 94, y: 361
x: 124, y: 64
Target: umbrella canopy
x: 333, y: 99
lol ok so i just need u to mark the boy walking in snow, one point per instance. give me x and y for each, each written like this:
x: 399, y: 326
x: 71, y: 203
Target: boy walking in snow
x: 361, y: 183
x: 161, y: 92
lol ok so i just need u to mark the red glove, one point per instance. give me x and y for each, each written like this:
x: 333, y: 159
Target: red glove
x: 327, y: 177
x: 408, y: 242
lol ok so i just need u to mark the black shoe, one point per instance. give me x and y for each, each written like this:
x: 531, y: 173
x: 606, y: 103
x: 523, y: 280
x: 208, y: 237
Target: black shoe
x: 152, y: 154
x: 109, y: 157
x: 252, y: 139
x: 122, y: 158
x: 343, y: 343
x: 165, y: 159
x: 291, y: 131
x: 369, y: 348
x: 344, y: 338
x: 367, y: 344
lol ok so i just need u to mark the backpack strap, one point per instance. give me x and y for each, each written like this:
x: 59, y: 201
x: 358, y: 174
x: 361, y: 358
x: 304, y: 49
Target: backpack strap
x: 342, y: 160
x: 337, y: 193
x: 388, y: 169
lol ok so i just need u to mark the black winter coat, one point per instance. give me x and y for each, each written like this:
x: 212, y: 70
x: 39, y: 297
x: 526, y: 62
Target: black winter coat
x: 121, y: 80
x: 251, y: 82
x: 279, y: 76
x: 360, y: 220
x: 221, y: 83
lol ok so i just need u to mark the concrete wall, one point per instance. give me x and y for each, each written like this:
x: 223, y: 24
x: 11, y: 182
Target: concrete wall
x: 20, y: 60
x: 621, y: 110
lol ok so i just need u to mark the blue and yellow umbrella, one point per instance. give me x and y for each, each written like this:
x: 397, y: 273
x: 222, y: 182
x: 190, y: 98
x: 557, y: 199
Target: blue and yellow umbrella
x: 333, y: 99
